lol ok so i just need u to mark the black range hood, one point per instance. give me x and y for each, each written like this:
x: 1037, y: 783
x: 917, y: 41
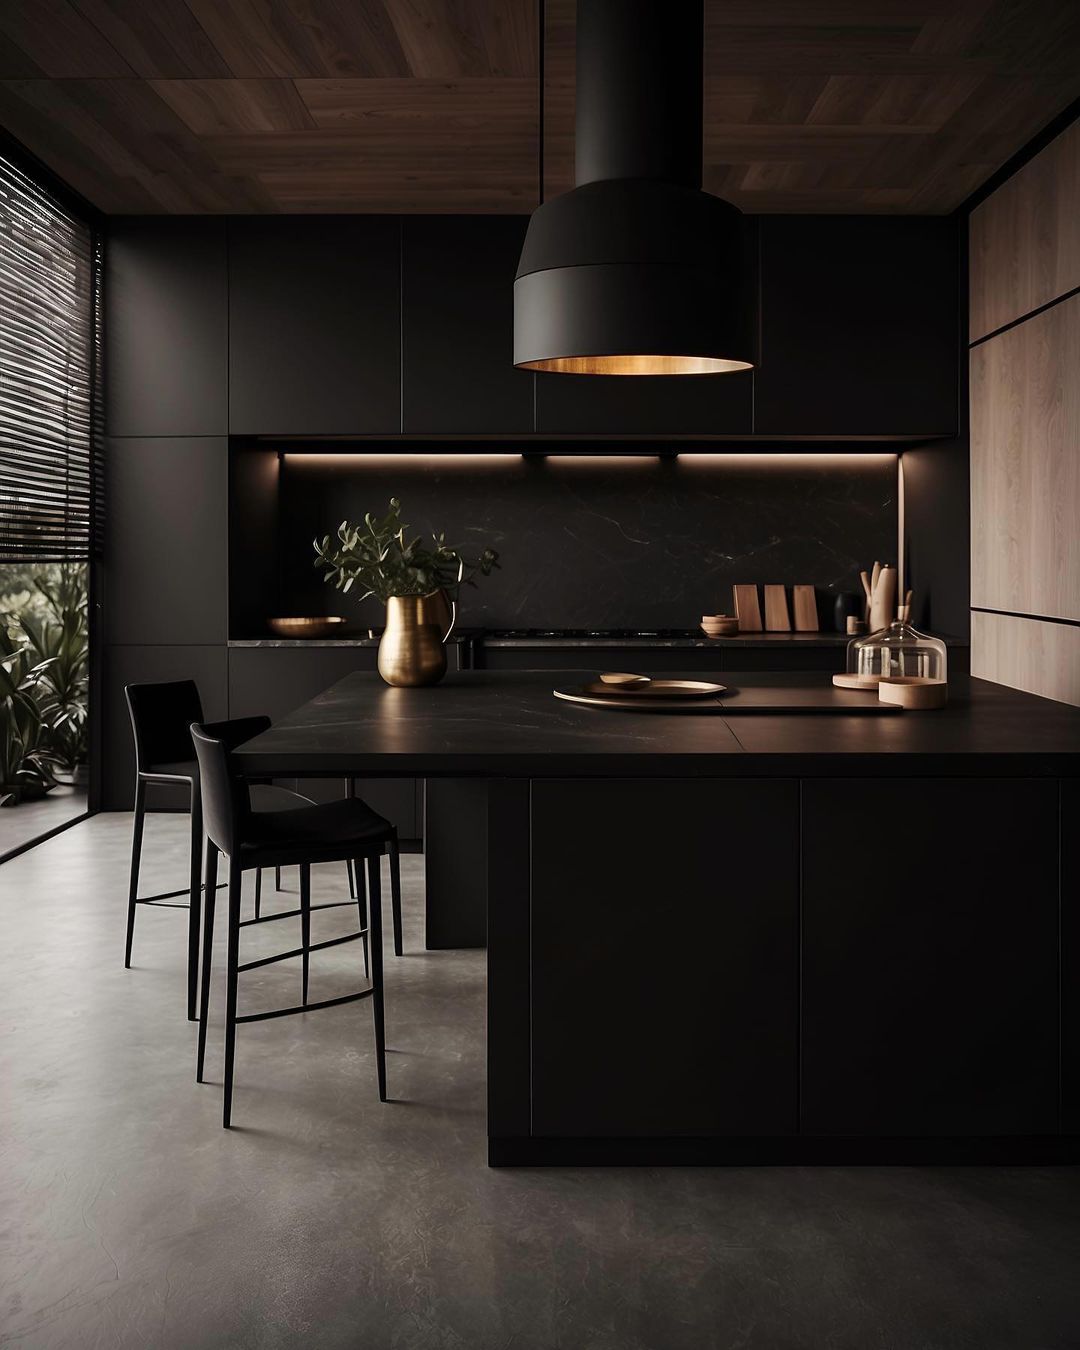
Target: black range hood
x: 636, y: 271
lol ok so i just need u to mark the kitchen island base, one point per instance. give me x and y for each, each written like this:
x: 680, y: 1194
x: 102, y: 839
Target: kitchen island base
x: 773, y: 937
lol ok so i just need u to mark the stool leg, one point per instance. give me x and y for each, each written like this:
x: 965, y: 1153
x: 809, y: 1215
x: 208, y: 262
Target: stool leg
x: 258, y: 891
x: 136, y: 857
x: 305, y: 925
x: 361, y: 911
x: 352, y: 880
x: 209, y: 904
x: 230, y: 996
x: 193, y: 901
x: 395, y: 892
x: 375, y: 916
x: 277, y: 878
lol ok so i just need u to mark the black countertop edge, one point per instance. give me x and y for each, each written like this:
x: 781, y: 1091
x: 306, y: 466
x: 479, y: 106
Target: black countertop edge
x: 734, y: 763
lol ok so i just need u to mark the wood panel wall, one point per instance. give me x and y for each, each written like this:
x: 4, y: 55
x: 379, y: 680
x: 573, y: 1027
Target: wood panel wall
x: 1025, y: 426
x: 1024, y: 239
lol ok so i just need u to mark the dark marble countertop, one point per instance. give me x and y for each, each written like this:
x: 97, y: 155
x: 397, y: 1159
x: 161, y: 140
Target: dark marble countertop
x: 509, y: 724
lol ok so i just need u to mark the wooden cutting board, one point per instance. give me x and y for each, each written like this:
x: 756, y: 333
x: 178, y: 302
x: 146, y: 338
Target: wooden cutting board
x: 776, y: 610
x: 806, y: 618
x: 747, y: 609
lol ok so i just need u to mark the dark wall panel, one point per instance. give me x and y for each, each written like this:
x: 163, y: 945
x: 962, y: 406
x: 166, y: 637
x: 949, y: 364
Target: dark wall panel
x: 930, y: 959
x: 166, y: 327
x: 314, y: 325
x: 859, y: 325
x: 207, y: 666
x: 937, y: 537
x: 458, y: 326
x: 686, y: 1023
x: 166, y: 540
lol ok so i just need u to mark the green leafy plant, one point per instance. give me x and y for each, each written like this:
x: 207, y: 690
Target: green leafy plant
x: 377, y: 558
x: 60, y: 641
x: 27, y: 760
x: 44, y: 648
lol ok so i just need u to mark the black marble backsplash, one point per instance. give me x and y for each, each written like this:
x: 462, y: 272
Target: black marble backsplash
x: 601, y: 542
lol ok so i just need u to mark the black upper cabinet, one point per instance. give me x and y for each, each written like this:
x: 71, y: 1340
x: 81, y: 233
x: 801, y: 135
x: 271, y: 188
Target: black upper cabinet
x: 166, y: 327
x: 458, y: 326
x: 659, y: 405
x: 314, y: 325
x: 859, y: 326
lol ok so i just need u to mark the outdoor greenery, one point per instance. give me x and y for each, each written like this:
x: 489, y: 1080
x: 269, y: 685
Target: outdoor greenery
x: 44, y: 677
x: 379, y: 559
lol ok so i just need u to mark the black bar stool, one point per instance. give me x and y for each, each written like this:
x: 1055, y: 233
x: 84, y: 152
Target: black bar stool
x: 161, y: 715
x: 340, y: 831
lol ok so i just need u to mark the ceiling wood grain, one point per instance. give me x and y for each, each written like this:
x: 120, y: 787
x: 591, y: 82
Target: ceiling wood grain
x: 432, y: 105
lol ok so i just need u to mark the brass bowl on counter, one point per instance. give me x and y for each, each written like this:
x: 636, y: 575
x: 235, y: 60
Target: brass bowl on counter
x: 322, y: 627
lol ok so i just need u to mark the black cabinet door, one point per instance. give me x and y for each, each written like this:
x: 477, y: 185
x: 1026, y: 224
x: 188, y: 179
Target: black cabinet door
x: 166, y: 325
x: 859, y: 326
x: 273, y: 681
x: 166, y: 540
x: 314, y: 325
x: 664, y: 957
x: 629, y: 405
x: 458, y: 326
x: 930, y: 957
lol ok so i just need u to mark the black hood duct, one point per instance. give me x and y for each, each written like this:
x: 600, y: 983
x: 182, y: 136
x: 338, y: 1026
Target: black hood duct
x: 636, y: 271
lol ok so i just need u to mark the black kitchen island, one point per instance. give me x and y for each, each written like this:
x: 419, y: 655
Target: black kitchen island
x: 746, y: 937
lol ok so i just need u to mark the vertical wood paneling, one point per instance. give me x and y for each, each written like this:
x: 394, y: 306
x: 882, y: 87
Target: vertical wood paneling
x: 1030, y: 654
x: 1025, y: 466
x: 1025, y: 238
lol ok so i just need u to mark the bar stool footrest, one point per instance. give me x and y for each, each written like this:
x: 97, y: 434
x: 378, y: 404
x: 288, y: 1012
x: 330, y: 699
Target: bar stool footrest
x: 292, y: 913
x: 306, y: 1007
x: 299, y: 951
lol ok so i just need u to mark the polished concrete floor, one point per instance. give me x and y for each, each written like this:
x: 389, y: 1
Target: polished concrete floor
x: 129, y: 1218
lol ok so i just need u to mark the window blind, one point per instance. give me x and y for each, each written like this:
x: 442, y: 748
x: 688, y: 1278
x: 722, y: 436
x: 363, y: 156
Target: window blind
x: 48, y: 355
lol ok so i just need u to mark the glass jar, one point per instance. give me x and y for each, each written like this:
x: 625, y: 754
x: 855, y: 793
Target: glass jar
x: 898, y: 649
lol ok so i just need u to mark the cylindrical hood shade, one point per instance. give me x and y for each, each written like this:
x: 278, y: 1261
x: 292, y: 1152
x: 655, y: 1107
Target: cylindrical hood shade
x: 636, y: 271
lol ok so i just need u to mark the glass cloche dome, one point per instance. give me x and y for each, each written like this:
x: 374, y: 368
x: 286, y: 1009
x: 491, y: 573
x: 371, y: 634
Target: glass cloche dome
x: 898, y: 649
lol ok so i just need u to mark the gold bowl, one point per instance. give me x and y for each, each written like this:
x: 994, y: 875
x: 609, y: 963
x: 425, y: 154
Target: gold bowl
x: 322, y: 627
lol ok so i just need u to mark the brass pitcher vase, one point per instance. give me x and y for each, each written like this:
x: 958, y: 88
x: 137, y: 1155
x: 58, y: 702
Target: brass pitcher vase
x: 412, y: 650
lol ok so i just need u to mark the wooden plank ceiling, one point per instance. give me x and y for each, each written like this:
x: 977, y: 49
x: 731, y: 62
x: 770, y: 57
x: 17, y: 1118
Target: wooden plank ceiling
x: 198, y: 106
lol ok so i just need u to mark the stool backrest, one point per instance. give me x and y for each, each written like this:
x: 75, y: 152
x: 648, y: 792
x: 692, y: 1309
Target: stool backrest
x: 226, y: 801
x: 160, y: 717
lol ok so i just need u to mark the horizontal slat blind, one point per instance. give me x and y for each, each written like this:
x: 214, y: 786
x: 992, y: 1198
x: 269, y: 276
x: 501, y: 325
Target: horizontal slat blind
x: 48, y: 350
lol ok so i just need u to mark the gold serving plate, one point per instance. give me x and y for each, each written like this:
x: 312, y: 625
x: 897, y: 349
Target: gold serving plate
x: 322, y: 627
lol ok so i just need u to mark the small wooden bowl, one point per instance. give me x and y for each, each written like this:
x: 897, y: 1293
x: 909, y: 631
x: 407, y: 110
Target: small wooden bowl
x: 322, y: 627
x: 719, y: 627
x: 913, y: 691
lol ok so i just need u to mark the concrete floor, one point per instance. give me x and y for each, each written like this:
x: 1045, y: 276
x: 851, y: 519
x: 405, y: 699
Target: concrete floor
x: 129, y: 1218
x: 27, y: 821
